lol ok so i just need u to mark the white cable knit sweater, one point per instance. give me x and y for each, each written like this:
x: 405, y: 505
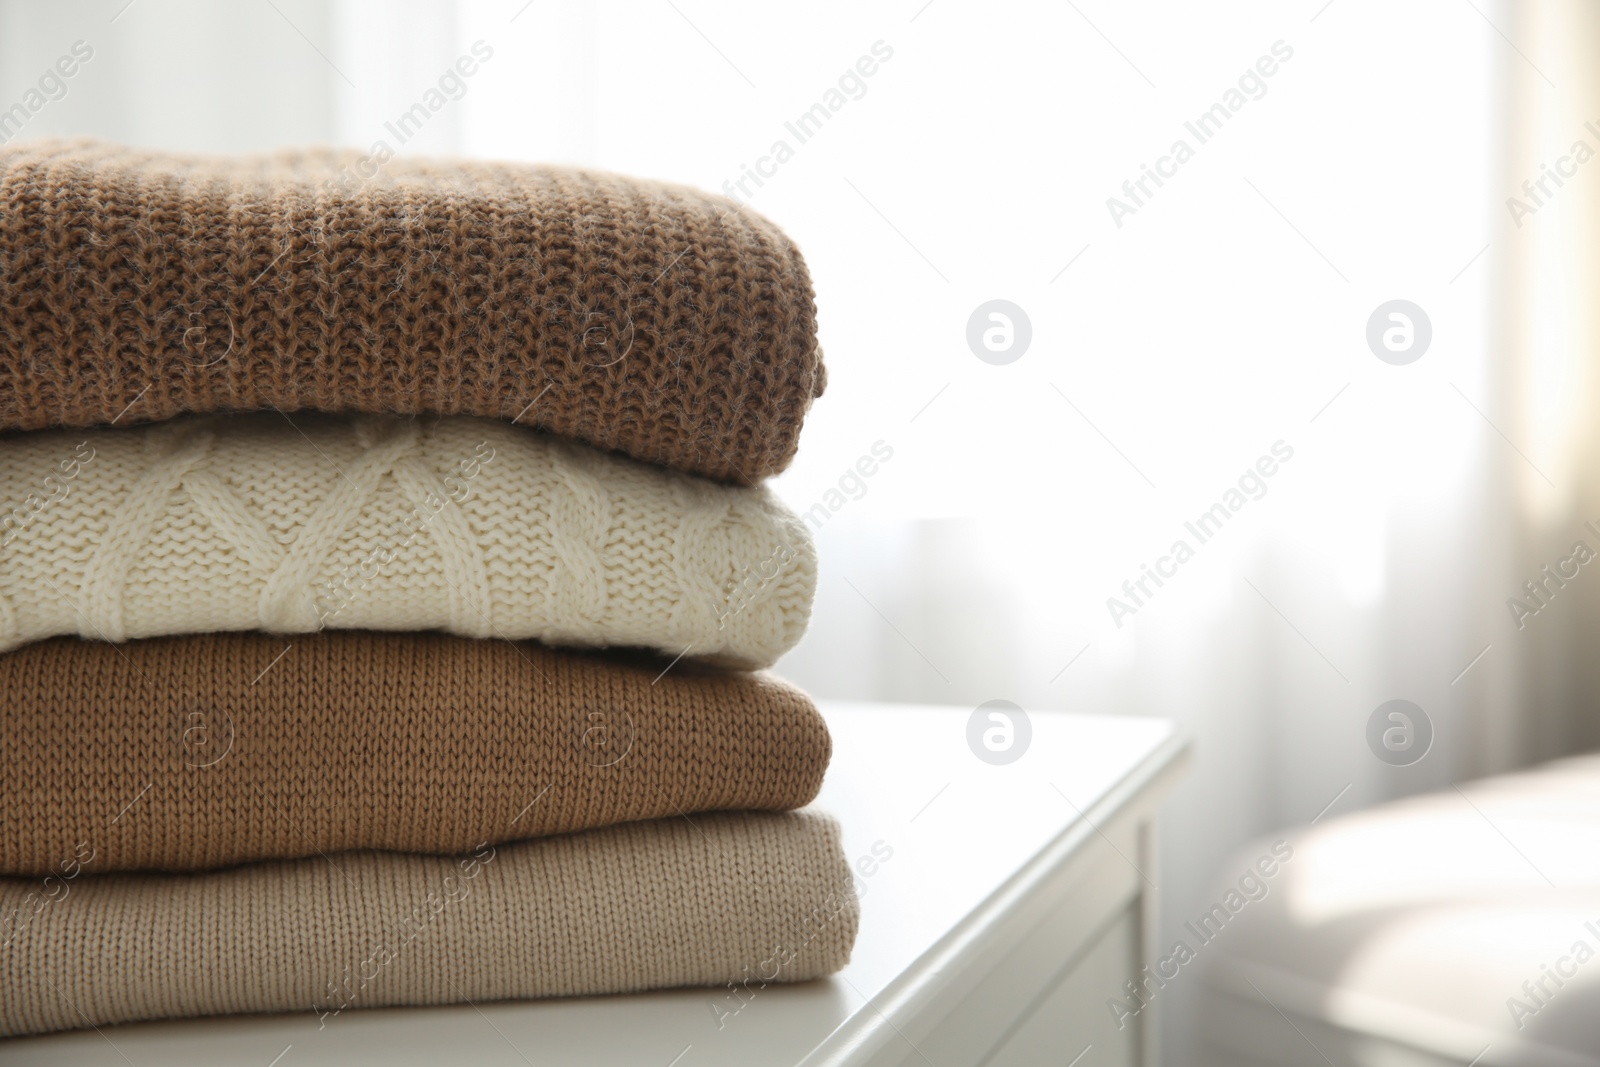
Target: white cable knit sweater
x: 472, y: 526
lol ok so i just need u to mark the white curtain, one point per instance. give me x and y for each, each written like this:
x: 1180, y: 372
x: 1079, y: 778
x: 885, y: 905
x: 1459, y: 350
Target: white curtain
x: 1549, y: 380
x: 182, y: 75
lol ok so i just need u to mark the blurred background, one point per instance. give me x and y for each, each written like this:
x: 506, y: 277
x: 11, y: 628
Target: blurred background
x: 1176, y: 332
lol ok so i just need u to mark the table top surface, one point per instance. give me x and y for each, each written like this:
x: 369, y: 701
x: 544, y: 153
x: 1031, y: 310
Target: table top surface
x: 937, y: 836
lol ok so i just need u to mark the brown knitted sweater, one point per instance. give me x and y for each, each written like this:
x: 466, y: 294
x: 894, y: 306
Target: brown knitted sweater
x: 649, y: 318
x: 196, y: 752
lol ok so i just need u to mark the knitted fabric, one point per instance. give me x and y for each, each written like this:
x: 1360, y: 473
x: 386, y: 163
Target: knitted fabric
x: 649, y: 318
x: 728, y: 897
x: 197, y: 752
x: 472, y: 526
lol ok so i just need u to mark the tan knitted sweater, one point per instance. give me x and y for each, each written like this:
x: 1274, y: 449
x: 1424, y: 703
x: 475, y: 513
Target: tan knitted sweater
x: 741, y: 898
x: 649, y: 318
x: 472, y: 526
x: 197, y: 752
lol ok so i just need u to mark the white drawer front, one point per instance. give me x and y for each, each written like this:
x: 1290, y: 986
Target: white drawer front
x: 1072, y: 1020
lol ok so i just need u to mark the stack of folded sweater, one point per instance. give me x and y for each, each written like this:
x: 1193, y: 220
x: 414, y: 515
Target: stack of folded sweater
x: 385, y: 579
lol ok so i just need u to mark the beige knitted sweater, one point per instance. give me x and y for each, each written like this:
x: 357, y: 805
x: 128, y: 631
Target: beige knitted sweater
x: 290, y: 524
x: 727, y: 898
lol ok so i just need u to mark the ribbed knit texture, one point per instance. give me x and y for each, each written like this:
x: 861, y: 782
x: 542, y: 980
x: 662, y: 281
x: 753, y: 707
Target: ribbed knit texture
x: 670, y: 902
x: 471, y: 526
x: 197, y: 752
x: 654, y: 319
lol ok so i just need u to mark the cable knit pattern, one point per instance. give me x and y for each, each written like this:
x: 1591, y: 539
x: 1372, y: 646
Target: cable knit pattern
x: 653, y: 319
x: 648, y: 905
x: 473, y: 526
x: 185, y: 753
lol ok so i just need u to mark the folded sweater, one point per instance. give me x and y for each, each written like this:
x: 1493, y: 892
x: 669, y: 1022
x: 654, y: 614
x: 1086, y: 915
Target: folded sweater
x: 654, y: 319
x: 290, y: 524
x: 716, y: 899
x: 195, y: 752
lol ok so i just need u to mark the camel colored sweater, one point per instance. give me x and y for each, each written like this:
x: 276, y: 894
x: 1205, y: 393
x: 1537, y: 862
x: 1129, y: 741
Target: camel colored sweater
x: 196, y: 752
x: 727, y: 898
x: 653, y: 319
x: 290, y: 524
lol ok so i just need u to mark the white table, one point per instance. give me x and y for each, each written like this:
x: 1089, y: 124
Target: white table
x: 1017, y: 900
